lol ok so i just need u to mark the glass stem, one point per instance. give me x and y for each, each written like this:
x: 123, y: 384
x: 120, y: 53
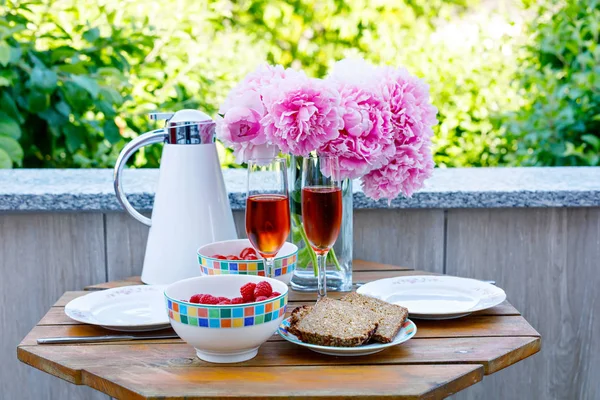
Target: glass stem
x: 269, y: 266
x: 322, y: 278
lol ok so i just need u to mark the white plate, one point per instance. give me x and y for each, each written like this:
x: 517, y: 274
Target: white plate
x: 138, y: 308
x: 436, y: 297
x: 408, y: 330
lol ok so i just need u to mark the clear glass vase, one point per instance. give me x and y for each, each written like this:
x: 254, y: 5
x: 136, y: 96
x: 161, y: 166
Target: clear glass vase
x: 339, y: 259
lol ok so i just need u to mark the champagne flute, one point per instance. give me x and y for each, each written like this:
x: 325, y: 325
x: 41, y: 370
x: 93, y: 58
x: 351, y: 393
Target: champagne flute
x: 321, y: 209
x: 267, y: 208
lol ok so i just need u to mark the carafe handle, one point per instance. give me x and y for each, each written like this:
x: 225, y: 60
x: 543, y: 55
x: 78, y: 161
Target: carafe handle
x: 156, y: 136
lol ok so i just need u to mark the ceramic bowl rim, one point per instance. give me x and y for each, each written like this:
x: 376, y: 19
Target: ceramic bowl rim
x: 218, y: 306
x: 294, y: 253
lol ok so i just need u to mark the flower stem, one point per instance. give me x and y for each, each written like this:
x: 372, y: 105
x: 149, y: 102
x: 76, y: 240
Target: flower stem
x: 313, y: 255
x: 334, y: 259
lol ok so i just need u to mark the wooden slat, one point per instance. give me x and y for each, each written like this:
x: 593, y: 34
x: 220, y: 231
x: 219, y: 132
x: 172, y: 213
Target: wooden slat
x: 493, y: 353
x: 476, y: 326
x: 411, y: 238
x: 41, y: 256
x: 546, y: 259
x: 176, y: 376
x: 125, y: 245
x: 56, y: 315
x: 361, y: 265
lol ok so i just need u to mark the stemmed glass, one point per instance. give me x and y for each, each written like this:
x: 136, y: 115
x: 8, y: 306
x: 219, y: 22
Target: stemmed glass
x: 267, y: 208
x: 321, y: 209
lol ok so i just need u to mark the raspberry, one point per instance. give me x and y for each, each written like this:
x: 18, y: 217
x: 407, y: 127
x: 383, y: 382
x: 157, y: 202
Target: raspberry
x: 263, y: 289
x: 275, y: 294
x: 247, y: 292
x: 227, y: 301
x: 196, y: 299
x: 223, y: 299
x: 209, y: 299
x: 237, y: 300
x: 261, y: 298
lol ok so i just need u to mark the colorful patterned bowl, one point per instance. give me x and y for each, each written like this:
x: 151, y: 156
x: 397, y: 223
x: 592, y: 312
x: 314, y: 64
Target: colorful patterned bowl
x: 285, y: 262
x: 224, y: 333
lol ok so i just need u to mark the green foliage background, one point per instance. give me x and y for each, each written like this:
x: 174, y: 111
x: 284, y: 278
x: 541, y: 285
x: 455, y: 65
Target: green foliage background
x: 514, y: 86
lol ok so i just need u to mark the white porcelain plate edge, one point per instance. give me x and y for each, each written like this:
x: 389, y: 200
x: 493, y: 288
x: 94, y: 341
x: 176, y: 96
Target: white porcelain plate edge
x: 464, y: 295
x: 408, y: 330
x: 82, y: 309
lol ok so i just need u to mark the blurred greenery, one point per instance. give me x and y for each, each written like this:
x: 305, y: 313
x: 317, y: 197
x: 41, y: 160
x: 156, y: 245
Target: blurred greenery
x: 514, y: 85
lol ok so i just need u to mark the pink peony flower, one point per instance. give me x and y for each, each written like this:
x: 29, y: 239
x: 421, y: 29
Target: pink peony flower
x: 406, y: 173
x: 412, y: 118
x: 302, y: 114
x: 242, y: 110
x: 242, y: 124
x: 365, y: 142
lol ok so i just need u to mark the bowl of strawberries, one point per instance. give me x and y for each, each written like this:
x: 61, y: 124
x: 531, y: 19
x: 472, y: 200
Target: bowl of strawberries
x: 238, y: 257
x: 226, y: 317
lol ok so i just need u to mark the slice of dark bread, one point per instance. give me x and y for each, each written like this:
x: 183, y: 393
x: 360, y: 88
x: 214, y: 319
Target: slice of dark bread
x: 298, y: 313
x: 391, y: 316
x: 335, y: 323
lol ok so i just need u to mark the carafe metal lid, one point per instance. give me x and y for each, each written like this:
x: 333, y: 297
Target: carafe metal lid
x: 187, y: 127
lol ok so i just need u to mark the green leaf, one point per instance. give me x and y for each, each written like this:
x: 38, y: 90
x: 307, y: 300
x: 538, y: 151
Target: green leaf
x: 8, y: 105
x: 596, y: 117
x: 111, y: 132
x: 62, y: 53
x: 43, y: 79
x: 5, y: 161
x: 112, y: 95
x: 4, y: 82
x: 4, y: 53
x: 37, y: 101
x: 106, y: 108
x: 12, y: 148
x: 592, y: 140
x: 9, y: 127
x: 75, y: 136
x: 63, y: 108
x: 92, y: 35
x: 88, y: 84
x: 76, y: 68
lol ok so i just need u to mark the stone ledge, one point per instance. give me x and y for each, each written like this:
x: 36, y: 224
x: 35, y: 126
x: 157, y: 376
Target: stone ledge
x: 92, y: 189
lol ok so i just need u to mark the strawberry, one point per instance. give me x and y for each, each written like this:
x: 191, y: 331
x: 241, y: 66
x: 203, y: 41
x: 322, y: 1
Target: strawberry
x: 196, y: 299
x: 209, y: 299
x: 251, y: 257
x: 237, y: 300
x: 219, y: 257
x: 232, y: 258
x: 261, y: 298
x: 247, y: 292
x: 263, y: 289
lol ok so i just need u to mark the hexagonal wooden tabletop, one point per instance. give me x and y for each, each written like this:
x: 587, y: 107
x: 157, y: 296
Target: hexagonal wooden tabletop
x: 444, y: 357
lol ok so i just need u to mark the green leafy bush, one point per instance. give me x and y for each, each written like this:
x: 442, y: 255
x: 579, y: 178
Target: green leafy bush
x: 560, y: 122
x: 77, y: 77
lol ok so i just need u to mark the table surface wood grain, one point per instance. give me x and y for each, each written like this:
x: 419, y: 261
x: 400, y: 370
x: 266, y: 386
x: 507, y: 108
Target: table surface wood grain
x: 444, y: 357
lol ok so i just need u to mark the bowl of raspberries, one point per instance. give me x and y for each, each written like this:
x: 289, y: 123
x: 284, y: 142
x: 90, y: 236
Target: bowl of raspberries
x: 226, y: 317
x: 238, y: 257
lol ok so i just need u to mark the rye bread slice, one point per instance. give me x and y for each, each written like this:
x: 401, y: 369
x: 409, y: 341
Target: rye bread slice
x: 391, y: 316
x: 298, y: 313
x: 335, y: 323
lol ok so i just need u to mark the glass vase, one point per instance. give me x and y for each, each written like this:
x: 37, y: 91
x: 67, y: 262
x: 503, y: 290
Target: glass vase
x: 339, y: 259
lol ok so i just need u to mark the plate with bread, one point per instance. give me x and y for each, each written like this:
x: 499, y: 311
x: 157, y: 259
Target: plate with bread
x: 355, y: 325
x: 436, y: 297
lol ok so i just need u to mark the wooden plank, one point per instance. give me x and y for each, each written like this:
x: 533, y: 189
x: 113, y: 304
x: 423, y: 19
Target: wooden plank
x: 67, y: 297
x: 362, y: 265
x: 493, y: 353
x: 412, y: 238
x: 175, y: 376
x: 42, y: 255
x: 358, y: 277
x: 125, y: 245
x: 547, y: 262
x: 57, y: 316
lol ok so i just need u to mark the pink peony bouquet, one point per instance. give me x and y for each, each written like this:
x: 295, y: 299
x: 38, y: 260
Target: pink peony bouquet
x: 377, y: 120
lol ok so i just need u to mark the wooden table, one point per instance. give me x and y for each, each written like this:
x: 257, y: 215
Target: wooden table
x: 445, y: 357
